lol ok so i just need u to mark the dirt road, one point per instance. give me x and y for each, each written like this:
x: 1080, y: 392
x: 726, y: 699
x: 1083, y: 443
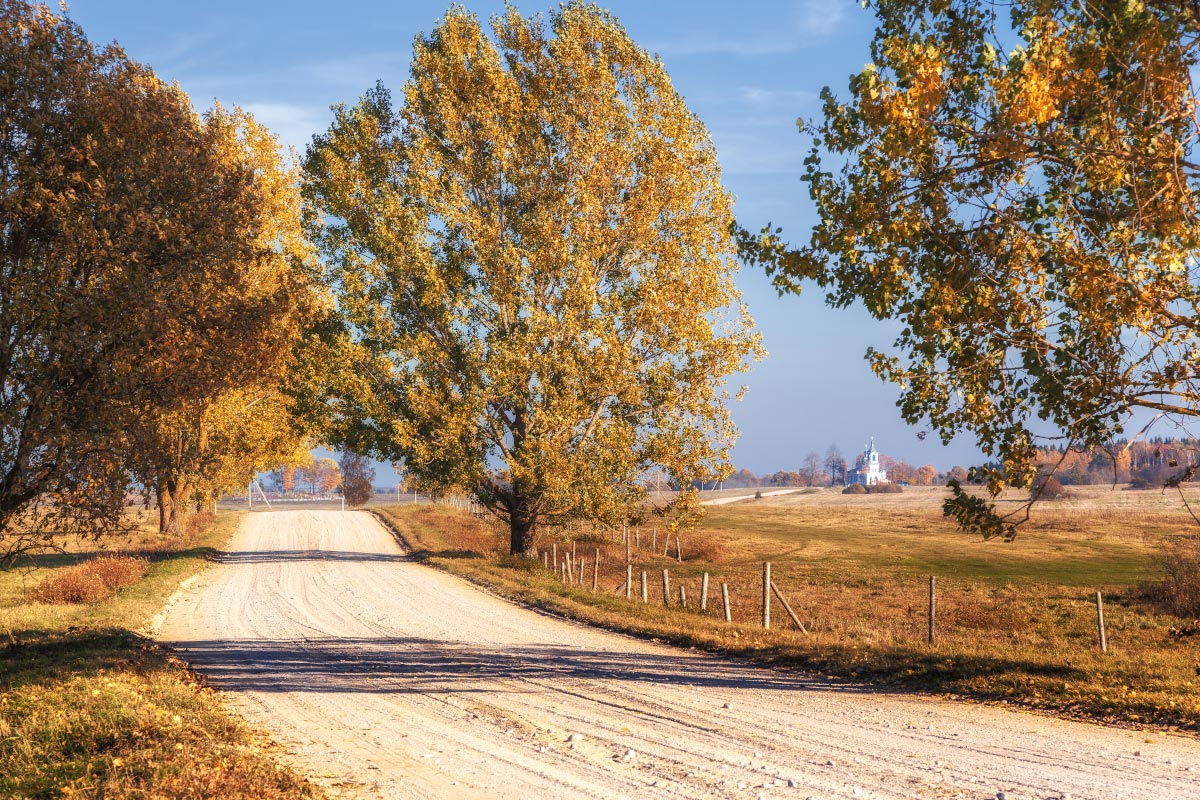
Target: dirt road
x: 390, y: 679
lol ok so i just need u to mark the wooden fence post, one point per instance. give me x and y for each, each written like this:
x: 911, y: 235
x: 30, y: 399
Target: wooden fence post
x: 1100, y: 623
x: 628, y: 543
x: 766, y: 595
x: 570, y: 570
x: 666, y: 588
x: 629, y: 581
x: 546, y: 558
x: 788, y: 608
x: 654, y: 540
x: 704, y: 592
x: 683, y: 595
x: 667, y: 544
x: 725, y: 599
x: 678, y: 549
x: 637, y: 537
x: 582, y: 571
x: 596, y: 572
x: 932, y: 608
x: 645, y: 588
x: 554, y: 554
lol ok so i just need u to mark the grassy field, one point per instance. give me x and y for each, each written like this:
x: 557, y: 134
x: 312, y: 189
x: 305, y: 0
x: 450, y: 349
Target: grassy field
x: 89, y: 708
x: 1016, y: 621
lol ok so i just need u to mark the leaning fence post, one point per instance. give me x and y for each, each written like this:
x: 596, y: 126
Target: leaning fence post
x: 725, y: 599
x: 704, y: 592
x: 666, y: 588
x: 766, y: 595
x: 932, y: 608
x: 1100, y: 623
x: 788, y: 608
x: 678, y: 549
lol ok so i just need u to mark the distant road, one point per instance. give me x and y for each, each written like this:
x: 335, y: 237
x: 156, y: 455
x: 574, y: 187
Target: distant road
x: 386, y: 678
x: 720, y: 501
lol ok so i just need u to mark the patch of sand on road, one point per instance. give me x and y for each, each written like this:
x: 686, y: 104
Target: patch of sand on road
x: 385, y: 678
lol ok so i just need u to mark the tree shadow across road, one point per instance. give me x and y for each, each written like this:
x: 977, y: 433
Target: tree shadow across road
x: 414, y: 665
x: 285, y: 556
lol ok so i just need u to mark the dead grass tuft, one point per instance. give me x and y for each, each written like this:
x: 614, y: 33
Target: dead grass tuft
x: 92, y: 581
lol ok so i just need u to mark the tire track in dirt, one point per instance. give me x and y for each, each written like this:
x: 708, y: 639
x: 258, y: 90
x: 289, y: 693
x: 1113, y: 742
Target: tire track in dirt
x: 385, y: 678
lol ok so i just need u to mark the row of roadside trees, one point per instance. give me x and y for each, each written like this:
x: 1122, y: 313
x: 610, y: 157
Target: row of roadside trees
x: 518, y: 283
x: 154, y: 289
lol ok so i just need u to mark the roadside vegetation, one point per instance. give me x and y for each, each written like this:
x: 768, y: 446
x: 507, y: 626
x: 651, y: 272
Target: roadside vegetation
x: 1016, y: 623
x: 89, y: 707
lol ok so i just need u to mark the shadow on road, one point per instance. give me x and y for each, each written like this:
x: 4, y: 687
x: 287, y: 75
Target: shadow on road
x: 284, y: 556
x: 400, y: 665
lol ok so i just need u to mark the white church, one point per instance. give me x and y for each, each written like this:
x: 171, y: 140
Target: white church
x: 866, y: 469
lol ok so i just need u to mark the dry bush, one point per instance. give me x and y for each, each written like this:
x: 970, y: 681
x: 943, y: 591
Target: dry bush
x: 703, y: 548
x: 196, y: 524
x: 1179, y: 589
x: 855, y: 488
x: 91, y: 581
x: 1051, y: 489
x: 885, y: 488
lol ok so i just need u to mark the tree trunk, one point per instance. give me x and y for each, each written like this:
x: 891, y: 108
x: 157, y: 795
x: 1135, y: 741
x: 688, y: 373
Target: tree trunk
x: 178, y: 490
x: 163, y: 500
x: 521, y: 536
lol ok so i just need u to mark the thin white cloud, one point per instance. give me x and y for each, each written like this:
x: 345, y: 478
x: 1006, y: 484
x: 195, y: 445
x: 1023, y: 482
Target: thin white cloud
x: 819, y: 17
x: 293, y: 124
x: 771, y: 99
x: 809, y: 20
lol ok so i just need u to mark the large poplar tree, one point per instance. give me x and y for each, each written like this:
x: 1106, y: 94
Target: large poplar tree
x: 535, y: 271
x: 1017, y: 185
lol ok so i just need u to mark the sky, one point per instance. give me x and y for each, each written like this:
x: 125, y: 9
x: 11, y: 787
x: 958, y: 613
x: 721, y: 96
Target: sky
x: 748, y: 70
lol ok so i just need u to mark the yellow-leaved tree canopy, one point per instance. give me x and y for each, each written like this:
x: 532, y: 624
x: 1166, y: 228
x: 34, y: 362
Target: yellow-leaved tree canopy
x: 1017, y: 185
x: 534, y: 270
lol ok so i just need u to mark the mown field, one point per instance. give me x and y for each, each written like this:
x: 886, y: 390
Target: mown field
x: 90, y: 708
x: 1016, y: 621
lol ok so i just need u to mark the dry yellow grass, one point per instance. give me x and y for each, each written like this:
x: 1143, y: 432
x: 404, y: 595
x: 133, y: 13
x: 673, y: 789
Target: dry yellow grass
x: 1016, y: 621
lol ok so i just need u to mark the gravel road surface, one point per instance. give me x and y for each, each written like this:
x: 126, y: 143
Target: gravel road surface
x: 385, y: 678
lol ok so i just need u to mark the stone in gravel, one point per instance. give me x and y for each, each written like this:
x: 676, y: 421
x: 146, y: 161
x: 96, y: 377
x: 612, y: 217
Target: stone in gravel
x: 726, y: 705
x: 999, y: 795
x: 830, y: 763
x: 792, y: 783
x: 574, y: 737
x: 632, y: 756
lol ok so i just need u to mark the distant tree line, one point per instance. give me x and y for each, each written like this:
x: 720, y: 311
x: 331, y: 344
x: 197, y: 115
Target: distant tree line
x: 1153, y: 462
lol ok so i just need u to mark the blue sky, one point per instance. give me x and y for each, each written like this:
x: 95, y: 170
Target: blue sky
x: 748, y: 70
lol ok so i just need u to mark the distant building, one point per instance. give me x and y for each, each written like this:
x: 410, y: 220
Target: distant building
x: 866, y: 469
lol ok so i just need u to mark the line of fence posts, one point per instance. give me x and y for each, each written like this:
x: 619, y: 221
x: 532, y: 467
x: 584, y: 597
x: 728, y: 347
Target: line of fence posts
x: 574, y: 571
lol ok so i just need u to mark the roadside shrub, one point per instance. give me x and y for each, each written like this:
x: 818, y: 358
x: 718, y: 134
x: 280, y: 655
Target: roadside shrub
x: 1178, y: 591
x: 758, y: 495
x: 855, y: 488
x: 91, y: 581
x: 885, y: 488
x: 196, y: 524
